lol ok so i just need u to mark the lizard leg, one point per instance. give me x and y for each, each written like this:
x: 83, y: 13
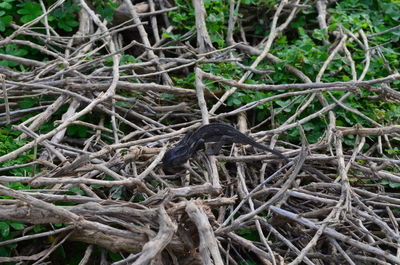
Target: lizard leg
x: 196, y: 146
x: 224, y: 140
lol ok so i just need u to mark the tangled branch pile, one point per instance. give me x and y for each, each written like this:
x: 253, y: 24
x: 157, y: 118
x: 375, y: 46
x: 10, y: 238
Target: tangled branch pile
x: 240, y: 207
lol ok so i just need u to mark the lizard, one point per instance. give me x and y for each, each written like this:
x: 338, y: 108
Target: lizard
x: 220, y: 133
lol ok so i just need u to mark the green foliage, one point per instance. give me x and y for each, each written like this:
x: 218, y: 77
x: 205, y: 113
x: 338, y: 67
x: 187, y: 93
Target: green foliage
x: 29, y: 10
x: 4, y: 229
x: 390, y: 184
x: 269, y: 3
x: 139, y: 198
x: 27, y: 103
x: 216, y: 16
x: 184, y: 82
x: 38, y: 228
x: 184, y: 20
x: 227, y: 70
x: 307, y: 51
x: 65, y: 17
x: 117, y: 192
x: 20, y: 12
x: 77, y: 130
x: 5, y: 18
x: 303, y: 53
x: 6, y: 4
x: 394, y: 151
x: 7, y: 229
x: 249, y: 234
x: 9, y: 143
x: 12, y: 49
x: 170, y: 35
x: 126, y: 59
x: 16, y: 225
x: 106, y: 8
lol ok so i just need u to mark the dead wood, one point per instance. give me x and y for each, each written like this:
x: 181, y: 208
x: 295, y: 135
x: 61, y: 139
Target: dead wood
x: 107, y: 189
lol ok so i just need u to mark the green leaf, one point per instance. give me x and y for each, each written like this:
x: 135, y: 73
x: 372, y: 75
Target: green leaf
x: 6, y: 4
x: 117, y: 192
x: 27, y: 103
x: 394, y: 185
x: 15, y: 50
x: 75, y: 190
x: 4, y: 21
x: 67, y: 25
x: 29, y: 11
x: 65, y: 16
x: 107, y: 12
x: 4, y: 229
x: 345, y: 78
x: 17, y: 225
x: 38, y: 228
x: 393, y: 151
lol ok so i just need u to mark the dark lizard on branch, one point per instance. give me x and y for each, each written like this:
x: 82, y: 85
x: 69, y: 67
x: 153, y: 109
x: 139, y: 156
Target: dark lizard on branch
x: 220, y: 133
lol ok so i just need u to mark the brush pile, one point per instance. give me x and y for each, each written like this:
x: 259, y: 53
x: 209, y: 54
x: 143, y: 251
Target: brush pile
x: 109, y: 100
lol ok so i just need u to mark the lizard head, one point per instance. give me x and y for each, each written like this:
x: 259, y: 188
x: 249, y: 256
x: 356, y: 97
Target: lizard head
x: 174, y: 158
